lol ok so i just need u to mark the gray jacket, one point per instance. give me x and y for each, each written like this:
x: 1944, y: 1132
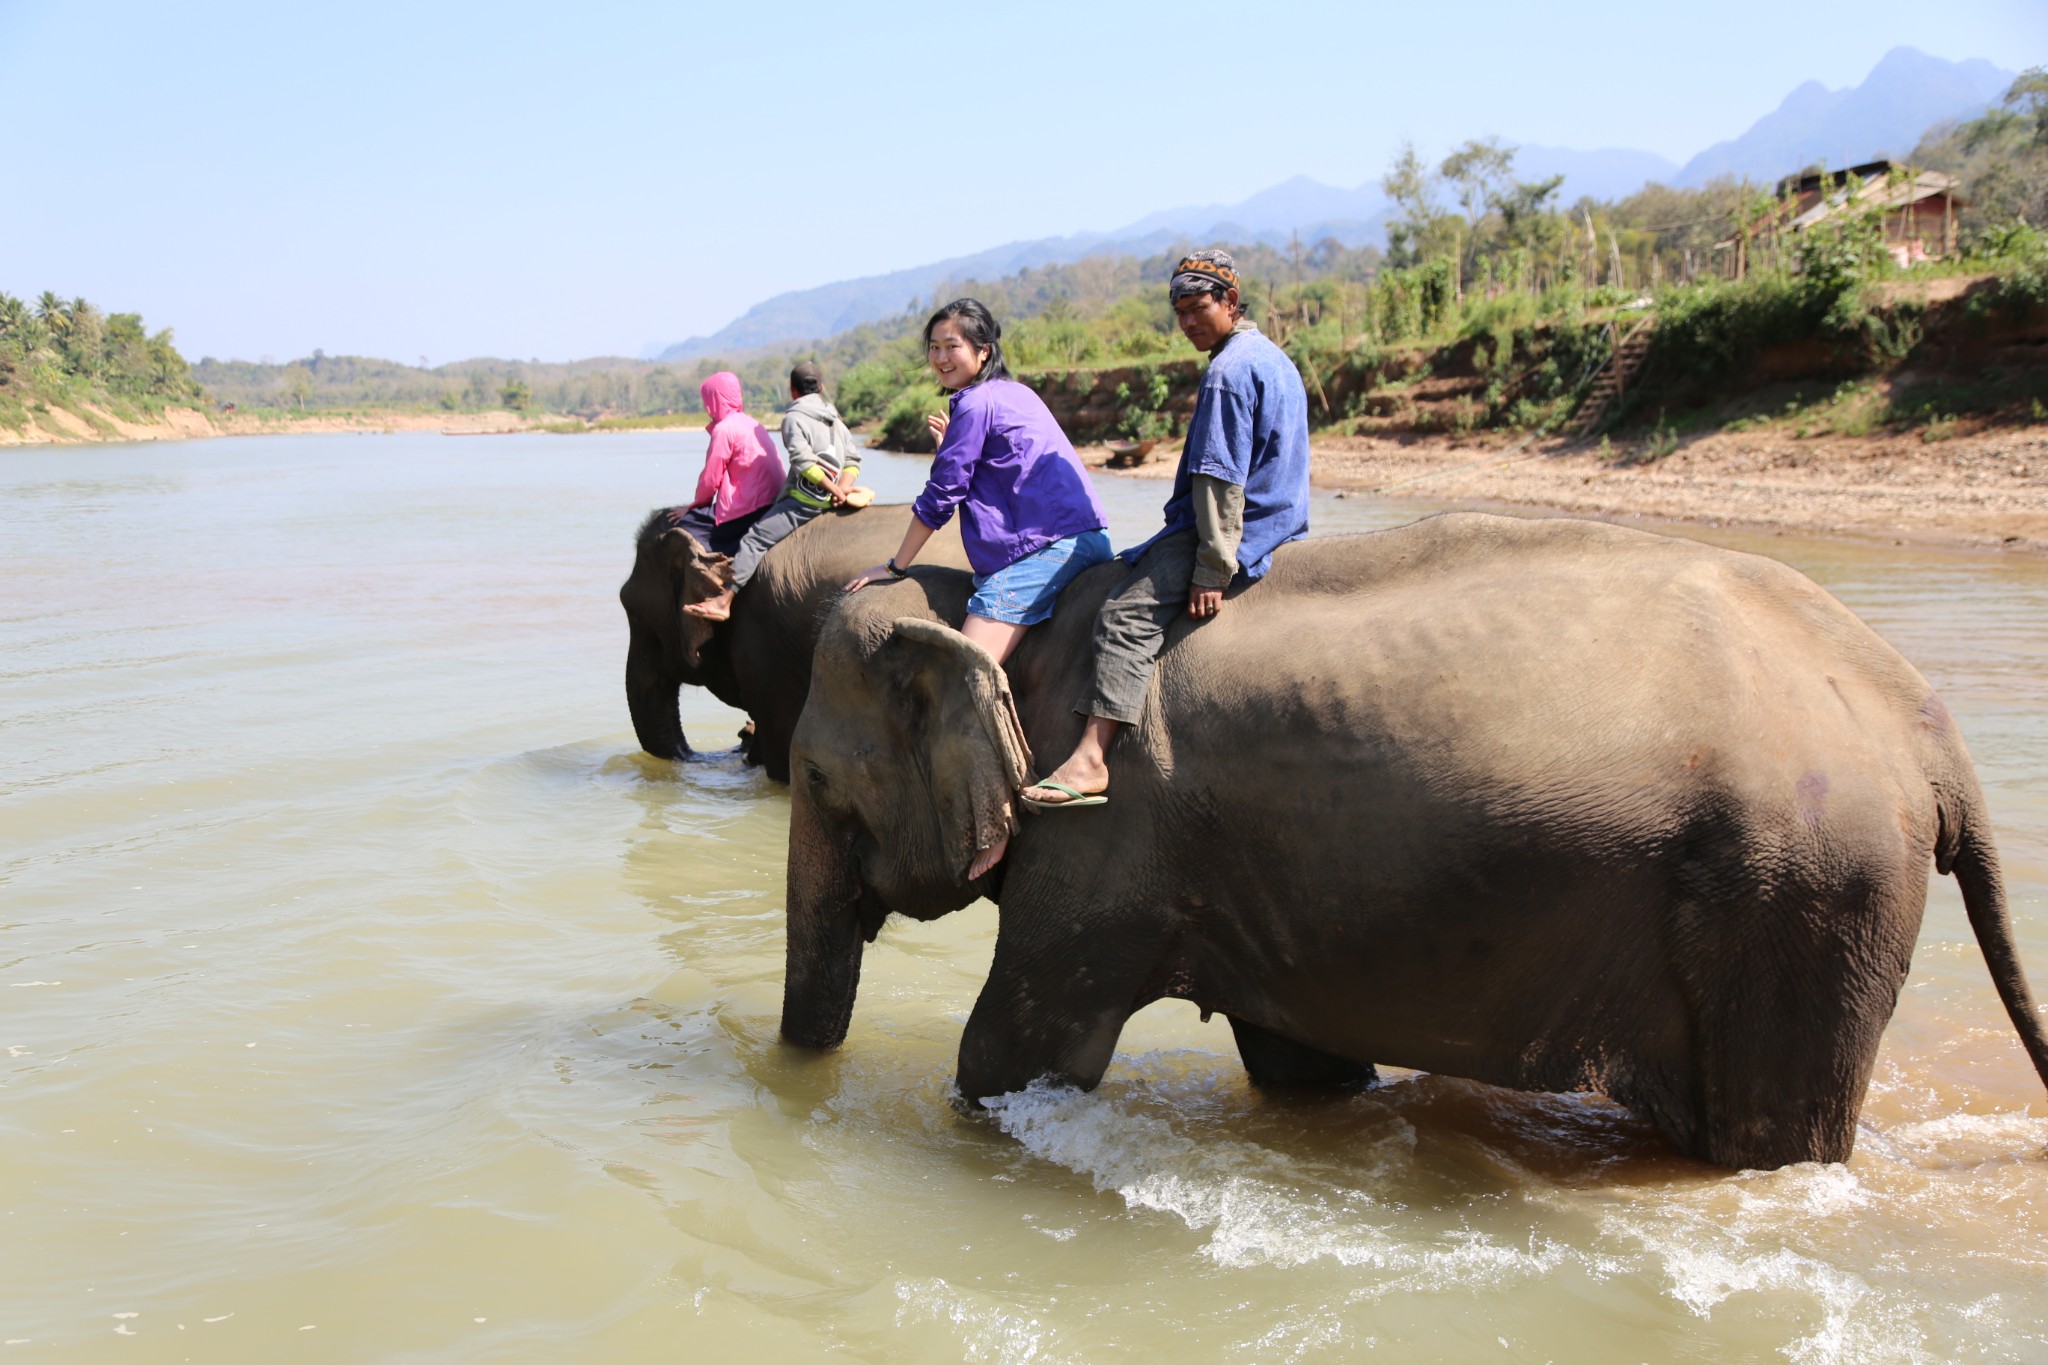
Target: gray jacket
x: 815, y: 440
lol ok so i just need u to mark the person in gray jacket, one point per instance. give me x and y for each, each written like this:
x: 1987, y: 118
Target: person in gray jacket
x: 822, y: 471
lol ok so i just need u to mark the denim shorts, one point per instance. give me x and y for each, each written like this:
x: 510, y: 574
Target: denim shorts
x: 1022, y: 594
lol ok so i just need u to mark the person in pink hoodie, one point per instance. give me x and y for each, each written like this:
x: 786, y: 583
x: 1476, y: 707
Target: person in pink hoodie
x: 742, y: 473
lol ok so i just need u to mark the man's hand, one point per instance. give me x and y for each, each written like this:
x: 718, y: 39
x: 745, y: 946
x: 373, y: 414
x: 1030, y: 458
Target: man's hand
x: 937, y: 424
x: 1204, y: 602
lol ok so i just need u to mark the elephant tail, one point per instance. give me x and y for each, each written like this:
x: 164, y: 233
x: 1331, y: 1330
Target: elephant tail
x: 1964, y: 848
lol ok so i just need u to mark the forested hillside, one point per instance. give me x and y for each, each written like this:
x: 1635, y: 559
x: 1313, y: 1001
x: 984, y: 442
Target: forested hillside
x: 67, y: 354
x: 1495, y: 306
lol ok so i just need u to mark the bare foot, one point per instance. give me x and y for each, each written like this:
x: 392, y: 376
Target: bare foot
x: 987, y: 858
x: 717, y: 608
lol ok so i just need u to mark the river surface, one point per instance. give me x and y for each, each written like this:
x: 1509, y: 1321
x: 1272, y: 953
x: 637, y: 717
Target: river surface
x: 367, y: 995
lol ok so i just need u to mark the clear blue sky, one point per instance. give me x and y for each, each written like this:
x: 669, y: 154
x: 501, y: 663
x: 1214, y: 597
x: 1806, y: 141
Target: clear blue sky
x: 564, y: 180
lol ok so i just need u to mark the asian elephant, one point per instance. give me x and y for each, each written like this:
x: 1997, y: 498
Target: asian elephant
x: 760, y: 660
x: 1548, y: 804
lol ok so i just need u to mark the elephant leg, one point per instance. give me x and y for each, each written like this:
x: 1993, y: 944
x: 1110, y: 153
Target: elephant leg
x: 1277, y: 1063
x: 1786, y: 1025
x: 1051, y: 1013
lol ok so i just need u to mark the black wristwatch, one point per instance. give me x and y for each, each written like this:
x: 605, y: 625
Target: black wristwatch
x: 895, y: 572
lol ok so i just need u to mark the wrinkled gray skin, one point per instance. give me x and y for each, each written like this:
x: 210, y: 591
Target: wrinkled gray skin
x: 760, y: 660
x: 1548, y: 804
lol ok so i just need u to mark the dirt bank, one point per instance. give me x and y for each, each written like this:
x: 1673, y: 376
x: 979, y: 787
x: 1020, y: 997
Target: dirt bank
x: 59, y: 427
x: 1987, y: 489
x: 56, y: 426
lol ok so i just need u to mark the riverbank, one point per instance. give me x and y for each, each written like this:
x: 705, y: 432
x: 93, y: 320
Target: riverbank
x: 1984, y: 488
x: 93, y: 425
x: 1987, y: 488
x: 60, y: 426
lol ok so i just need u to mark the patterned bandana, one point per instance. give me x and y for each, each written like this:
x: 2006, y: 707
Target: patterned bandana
x: 1201, y: 271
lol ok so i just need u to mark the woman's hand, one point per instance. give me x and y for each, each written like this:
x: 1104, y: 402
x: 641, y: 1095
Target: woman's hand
x: 937, y: 424
x: 878, y: 574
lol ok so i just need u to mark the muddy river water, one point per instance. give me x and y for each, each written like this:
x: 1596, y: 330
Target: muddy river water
x: 366, y: 995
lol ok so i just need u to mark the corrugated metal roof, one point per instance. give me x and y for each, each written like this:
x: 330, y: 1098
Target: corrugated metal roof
x: 1880, y: 192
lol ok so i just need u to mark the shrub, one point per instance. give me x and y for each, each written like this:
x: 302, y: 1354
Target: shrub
x: 903, y: 425
x: 1141, y: 411
x: 867, y: 390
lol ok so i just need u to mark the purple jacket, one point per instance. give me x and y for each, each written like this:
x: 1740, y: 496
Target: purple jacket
x: 1013, y: 474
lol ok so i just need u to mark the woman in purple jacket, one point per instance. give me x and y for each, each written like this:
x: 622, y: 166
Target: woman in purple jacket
x: 1028, y: 514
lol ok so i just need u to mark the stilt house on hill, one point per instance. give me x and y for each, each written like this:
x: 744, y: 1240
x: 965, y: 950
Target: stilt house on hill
x: 1918, y: 209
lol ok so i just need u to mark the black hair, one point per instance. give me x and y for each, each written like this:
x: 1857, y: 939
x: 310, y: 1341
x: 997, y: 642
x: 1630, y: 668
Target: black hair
x: 805, y: 378
x: 981, y: 331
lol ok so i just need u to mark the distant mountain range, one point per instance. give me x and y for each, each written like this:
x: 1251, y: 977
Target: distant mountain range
x: 1905, y: 93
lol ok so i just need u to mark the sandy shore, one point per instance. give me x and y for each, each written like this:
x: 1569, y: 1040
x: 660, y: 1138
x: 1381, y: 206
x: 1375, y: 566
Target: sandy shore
x: 453, y: 423
x: 1988, y: 489
x: 58, y: 427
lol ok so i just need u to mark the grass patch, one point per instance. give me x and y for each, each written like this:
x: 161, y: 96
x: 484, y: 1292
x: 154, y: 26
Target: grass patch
x: 2010, y: 391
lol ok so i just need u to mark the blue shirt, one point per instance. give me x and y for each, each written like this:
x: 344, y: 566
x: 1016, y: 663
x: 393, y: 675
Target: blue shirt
x: 1250, y: 428
x: 1011, y: 472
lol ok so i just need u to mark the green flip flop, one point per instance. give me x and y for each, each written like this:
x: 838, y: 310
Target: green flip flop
x: 1078, y: 798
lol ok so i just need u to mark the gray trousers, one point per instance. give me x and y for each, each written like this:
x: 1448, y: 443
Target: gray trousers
x: 777, y: 522
x: 1131, y: 628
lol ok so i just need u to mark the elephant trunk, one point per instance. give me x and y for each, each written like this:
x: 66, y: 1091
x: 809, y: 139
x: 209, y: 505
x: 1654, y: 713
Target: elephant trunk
x: 822, y: 974
x: 651, y: 697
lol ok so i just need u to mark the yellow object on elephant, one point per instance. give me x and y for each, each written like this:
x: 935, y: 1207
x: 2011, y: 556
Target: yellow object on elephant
x: 860, y: 497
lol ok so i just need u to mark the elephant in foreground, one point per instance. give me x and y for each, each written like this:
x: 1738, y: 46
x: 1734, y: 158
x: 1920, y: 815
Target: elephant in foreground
x: 1552, y: 805
x: 760, y: 660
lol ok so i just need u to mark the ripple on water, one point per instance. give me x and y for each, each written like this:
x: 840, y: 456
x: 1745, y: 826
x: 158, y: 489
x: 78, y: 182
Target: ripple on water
x: 1794, y: 1259
x: 399, y: 992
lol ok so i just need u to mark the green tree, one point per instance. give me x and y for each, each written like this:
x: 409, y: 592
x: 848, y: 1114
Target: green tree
x: 1530, y: 223
x: 1412, y: 186
x: 83, y: 341
x: 516, y: 395
x: 1476, y: 171
x: 298, y: 383
x: 2028, y: 94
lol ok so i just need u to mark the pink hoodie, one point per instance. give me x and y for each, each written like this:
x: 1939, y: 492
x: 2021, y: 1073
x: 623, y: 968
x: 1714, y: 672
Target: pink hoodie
x: 742, y: 472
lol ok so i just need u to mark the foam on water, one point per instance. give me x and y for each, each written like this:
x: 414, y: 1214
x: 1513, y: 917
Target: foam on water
x: 1259, y: 1206
x: 985, y: 1330
x: 1795, y: 1258
x: 1881, y: 1250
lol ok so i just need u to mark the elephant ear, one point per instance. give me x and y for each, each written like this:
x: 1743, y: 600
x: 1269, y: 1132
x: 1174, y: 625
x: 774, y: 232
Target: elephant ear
x: 972, y: 740
x: 701, y: 574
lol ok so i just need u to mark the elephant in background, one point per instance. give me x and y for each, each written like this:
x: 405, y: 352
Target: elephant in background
x: 760, y: 660
x: 1552, y: 805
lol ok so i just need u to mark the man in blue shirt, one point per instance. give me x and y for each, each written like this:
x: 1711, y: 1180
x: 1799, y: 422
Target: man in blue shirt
x: 1240, y: 493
